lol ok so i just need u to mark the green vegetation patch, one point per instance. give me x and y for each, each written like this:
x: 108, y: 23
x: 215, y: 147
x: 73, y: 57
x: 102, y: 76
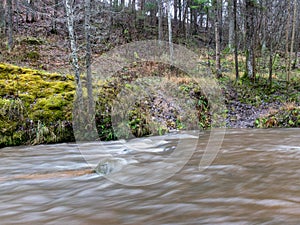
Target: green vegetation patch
x: 286, y: 116
x: 35, y: 106
x: 150, y: 111
x: 256, y: 93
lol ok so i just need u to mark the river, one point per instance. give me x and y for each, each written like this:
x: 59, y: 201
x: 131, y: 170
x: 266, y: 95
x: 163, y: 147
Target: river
x: 254, y: 179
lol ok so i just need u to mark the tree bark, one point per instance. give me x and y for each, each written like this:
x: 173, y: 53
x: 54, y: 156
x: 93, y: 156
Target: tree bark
x: 195, y: 22
x: 30, y: 10
x: 142, y: 5
x: 54, y: 18
x: 141, y: 17
x: 250, y: 63
x: 236, y: 61
x: 292, y: 40
x: 160, y: 31
x: 179, y: 13
x: 170, y: 33
x: 122, y: 3
x: 16, y: 3
x: 73, y: 44
x: 88, y: 55
x: 287, y: 31
x: 184, y: 23
x: 217, y: 39
x: 270, y: 65
x: 133, y: 6
x: 175, y: 11
x: 220, y: 19
x: 2, y: 19
x: 10, y: 25
x: 231, y: 30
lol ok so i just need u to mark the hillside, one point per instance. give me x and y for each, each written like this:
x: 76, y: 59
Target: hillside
x: 37, y: 103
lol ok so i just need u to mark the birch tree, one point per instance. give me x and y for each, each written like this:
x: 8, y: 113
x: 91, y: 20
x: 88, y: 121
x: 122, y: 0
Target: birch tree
x: 73, y: 45
x: 249, y: 42
x: 170, y: 29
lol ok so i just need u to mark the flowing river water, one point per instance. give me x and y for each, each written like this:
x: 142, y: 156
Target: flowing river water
x: 255, y: 179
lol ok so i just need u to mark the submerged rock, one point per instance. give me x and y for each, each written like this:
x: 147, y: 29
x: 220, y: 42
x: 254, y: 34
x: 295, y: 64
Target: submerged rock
x: 110, y: 165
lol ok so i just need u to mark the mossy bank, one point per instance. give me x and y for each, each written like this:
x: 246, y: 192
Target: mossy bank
x: 35, y: 106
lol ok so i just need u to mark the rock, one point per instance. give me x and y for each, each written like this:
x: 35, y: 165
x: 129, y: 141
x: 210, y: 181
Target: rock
x: 110, y: 165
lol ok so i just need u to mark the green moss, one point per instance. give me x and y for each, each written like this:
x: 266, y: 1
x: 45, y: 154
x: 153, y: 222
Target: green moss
x: 33, y: 105
x: 51, y: 109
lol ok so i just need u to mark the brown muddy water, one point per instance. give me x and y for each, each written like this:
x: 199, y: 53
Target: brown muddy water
x: 255, y: 179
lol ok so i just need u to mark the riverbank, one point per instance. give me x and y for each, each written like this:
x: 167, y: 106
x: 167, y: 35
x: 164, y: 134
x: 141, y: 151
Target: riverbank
x: 256, y: 105
x: 36, y: 106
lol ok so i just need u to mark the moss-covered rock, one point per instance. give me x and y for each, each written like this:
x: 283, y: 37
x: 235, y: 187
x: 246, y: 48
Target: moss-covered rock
x: 35, y: 107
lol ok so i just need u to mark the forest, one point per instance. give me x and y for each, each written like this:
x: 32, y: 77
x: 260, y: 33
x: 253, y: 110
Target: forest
x: 48, y: 50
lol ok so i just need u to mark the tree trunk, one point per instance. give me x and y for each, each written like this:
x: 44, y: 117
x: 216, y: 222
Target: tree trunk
x: 217, y: 39
x: 88, y: 55
x: 133, y: 6
x: 179, y: 13
x: 287, y: 31
x: 10, y: 24
x: 17, y: 14
x: 33, y: 19
x: 218, y: 54
x: 175, y: 16
x: 2, y: 19
x: 122, y: 3
x: 30, y: 10
x: 170, y: 33
x: 115, y: 4
x: 175, y: 11
x: 184, y: 16
x: 188, y: 19
x: 236, y: 61
x: 250, y: 63
x: 264, y: 25
x: 141, y: 17
x: 160, y: 31
x: 270, y: 66
x: 232, y: 16
x: 207, y: 37
x: 195, y: 17
x: 292, y: 40
x: 73, y: 44
x: 54, y: 18
x: 220, y: 19
x: 142, y: 5
x: 295, y: 60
